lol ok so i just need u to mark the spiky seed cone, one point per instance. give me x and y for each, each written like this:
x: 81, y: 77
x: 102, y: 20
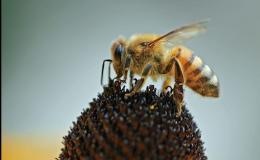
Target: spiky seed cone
x: 143, y: 126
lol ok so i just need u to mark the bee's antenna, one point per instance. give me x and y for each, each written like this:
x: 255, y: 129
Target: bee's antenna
x: 102, y: 72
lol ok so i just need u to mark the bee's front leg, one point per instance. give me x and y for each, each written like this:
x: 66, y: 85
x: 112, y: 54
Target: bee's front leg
x: 178, y: 87
x: 141, y: 81
x: 131, y: 79
x: 126, y: 66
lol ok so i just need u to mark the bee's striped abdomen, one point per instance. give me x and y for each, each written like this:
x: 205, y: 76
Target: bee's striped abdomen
x: 198, y: 76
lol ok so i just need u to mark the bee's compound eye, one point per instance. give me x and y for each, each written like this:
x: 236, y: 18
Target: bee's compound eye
x: 119, y: 51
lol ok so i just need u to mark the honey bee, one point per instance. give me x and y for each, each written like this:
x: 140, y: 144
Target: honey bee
x: 163, y: 56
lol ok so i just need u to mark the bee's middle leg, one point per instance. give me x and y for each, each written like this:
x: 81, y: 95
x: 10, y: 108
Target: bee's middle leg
x: 166, y: 83
x: 141, y: 81
x: 165, y: 70
x: 178, y: 86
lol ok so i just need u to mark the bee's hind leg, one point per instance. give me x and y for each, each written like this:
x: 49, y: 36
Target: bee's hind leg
x: 140, y: 82
x: 178, y: 87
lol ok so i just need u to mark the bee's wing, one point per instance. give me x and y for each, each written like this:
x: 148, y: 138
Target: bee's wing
x: 178, y: 35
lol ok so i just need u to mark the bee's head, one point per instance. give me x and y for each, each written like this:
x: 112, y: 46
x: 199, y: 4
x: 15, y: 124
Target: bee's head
x: 118, y: 53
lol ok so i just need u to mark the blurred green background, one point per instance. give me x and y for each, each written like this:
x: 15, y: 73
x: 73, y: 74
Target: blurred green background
x: 52, y: 52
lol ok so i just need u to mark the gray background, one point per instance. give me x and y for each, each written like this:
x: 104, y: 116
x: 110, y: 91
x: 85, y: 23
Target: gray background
x: 52, y: 52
